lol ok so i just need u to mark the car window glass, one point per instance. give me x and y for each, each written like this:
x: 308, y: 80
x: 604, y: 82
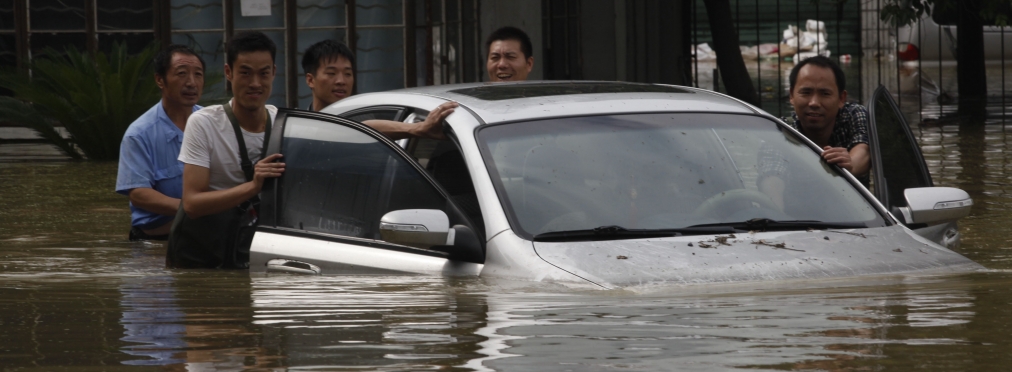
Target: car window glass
x: 902, y: 163
x: 383, y: 114
x: 339, y: 180
x: 445, y: 164
x: 656, y: 171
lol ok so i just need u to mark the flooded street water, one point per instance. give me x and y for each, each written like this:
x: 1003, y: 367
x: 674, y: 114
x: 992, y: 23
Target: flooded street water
x: 75, y: 295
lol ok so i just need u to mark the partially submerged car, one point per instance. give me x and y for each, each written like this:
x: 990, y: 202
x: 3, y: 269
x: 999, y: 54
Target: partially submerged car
x: 614, y: 184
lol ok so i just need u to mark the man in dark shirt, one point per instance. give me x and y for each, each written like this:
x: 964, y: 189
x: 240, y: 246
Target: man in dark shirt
x: 821, y: 113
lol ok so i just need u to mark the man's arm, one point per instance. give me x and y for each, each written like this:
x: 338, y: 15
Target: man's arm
x: 860, y: 159
x: 135, y: 178
x: 857, y: 160
x: 199, y: 200
x: 432, y: 127
x: 153, y: 201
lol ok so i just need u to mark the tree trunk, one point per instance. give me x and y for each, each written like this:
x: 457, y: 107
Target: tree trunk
x: 725, y: 43
x: 971, y: 76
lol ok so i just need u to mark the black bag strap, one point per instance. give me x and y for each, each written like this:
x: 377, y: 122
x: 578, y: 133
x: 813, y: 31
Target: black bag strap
x: 245, y: 163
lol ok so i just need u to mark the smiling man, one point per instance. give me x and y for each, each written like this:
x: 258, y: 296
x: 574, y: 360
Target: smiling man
x: 149, y: 173
x: 822, y: 113
x: 510, y: 55
x: 330, y: 72
x: 220, y: 146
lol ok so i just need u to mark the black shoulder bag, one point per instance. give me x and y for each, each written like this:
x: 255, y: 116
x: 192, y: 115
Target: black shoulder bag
x: 220, y: 240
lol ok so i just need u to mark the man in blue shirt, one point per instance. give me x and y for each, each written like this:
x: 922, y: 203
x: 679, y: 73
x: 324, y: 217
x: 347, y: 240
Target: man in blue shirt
x: 149, y: 172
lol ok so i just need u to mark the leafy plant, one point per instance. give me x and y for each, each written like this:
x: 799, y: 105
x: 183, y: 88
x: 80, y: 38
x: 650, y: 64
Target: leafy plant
x: 94, y: 99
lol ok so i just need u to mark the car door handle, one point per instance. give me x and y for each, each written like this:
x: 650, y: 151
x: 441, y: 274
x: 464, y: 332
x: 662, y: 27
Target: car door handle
x: 292, y: 266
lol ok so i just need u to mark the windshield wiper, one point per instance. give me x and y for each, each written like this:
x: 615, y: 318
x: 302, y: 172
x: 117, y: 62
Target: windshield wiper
x: 613, y: 232
x: 766, y: 224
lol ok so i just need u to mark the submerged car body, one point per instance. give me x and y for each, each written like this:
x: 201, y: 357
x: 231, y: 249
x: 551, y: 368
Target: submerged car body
x: 610, y: 184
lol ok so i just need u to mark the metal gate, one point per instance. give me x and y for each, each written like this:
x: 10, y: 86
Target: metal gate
x: 916, y: 63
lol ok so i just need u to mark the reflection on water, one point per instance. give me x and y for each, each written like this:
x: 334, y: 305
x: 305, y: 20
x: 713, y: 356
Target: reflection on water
x: 390, y: 323
x: 73, y: 292
x: 205, y: 320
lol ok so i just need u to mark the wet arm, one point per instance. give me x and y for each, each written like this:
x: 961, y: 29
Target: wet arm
x: 395, y: 130
x: 153, y: 201
x: 432, y: 127
x: 860, y: 159
x: 199, y: 200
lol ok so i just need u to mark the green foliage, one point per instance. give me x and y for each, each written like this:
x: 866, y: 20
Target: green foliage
x: 94, y: 99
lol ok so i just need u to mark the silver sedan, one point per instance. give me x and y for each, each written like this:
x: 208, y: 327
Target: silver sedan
x: 601, y: 184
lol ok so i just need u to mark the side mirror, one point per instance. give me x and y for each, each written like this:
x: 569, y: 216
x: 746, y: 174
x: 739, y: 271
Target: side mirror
x: 422, y: 228
x: 465, y: 245
x: 430, y: 229
x: 935, y: 205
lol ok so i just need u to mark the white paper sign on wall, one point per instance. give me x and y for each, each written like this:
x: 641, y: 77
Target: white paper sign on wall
x: 255, y: 8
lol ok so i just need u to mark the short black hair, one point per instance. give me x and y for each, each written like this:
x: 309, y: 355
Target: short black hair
x: 324, y: 51
x: 511, y: 33
x: 824, y: 62
x: 163, y: 60
x: 249, y: 41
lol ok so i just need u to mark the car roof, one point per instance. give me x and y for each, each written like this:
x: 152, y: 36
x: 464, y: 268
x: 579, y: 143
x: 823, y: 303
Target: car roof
x: 504, y: 102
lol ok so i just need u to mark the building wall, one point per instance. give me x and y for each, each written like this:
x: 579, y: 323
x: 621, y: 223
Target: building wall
x: 399, y: 43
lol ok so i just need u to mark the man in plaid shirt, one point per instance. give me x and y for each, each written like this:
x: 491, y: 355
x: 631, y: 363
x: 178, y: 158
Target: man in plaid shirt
x: 821, y: 113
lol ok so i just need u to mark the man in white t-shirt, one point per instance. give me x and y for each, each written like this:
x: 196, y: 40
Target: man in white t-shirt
x: 213, y: 179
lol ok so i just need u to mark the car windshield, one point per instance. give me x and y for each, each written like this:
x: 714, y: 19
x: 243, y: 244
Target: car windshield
x: 672, y: 171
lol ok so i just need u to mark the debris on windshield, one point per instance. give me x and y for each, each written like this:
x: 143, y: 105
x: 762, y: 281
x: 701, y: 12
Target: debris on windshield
x: 850, y: 233
x: 775, y: 246
x: 722, y: 240
x: 622, y: 257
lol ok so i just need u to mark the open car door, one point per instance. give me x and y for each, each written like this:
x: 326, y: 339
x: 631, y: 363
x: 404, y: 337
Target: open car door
x: 352, y: 202
x: 898, y: 166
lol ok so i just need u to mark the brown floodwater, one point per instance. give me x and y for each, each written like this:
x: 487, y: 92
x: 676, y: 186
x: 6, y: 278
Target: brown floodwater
x: 75, y: 295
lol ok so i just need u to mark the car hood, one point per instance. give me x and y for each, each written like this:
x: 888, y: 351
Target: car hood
x: 752, y: 257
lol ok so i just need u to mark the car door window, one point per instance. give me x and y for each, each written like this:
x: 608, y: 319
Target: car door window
x: 897, y: 160
x: 444, y: 162
x: 341, y: 180
x: 384, y: 113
